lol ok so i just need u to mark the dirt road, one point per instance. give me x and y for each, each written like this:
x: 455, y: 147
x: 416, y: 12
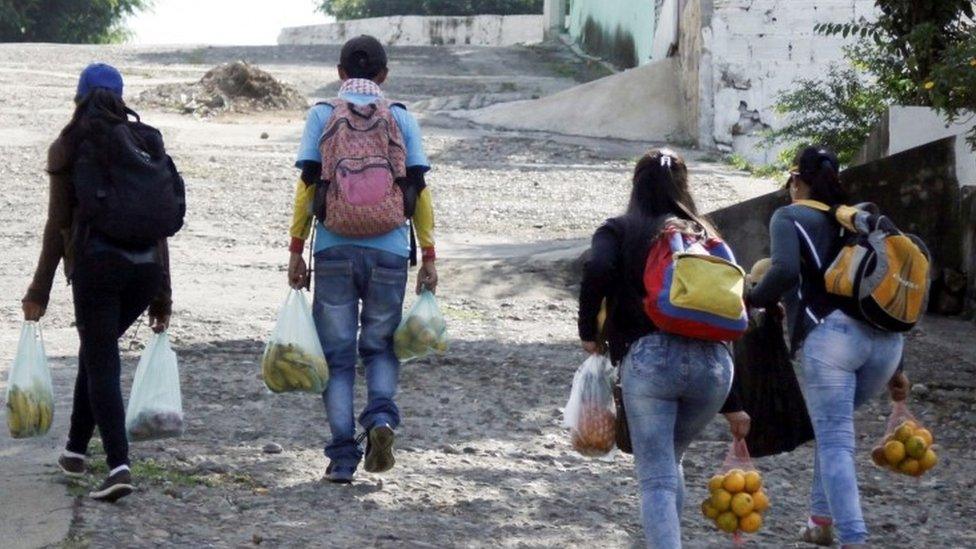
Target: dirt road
x: 482, y: 458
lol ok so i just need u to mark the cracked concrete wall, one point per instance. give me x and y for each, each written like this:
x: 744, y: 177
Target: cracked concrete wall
x: 415, y: 30
x: 751, y: 50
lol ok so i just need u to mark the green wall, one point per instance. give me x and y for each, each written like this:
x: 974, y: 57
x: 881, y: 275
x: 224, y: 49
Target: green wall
x: 620, y: 31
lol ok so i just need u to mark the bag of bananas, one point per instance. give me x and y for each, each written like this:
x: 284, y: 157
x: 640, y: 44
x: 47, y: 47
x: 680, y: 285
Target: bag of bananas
x: 30, y: 396
x: 293, y: 359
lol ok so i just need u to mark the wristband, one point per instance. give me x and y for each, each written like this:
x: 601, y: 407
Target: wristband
x: 428, y: 254
x: 297, y: 245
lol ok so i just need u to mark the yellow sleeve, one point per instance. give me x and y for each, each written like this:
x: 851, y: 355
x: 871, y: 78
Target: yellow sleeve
x: 423, y: 222
x: 301, y: 219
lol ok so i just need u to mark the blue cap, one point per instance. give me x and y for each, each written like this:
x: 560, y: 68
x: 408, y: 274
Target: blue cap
x: 99, y: 75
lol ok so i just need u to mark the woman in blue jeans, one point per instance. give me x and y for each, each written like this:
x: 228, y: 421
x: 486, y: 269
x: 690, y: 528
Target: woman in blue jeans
x: 673, y: 386
x: 845, y: 361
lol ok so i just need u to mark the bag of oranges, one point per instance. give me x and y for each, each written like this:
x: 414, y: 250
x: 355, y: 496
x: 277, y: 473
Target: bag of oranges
x: 590, y: 413
x: 907, y: 446
x: 736, y: 500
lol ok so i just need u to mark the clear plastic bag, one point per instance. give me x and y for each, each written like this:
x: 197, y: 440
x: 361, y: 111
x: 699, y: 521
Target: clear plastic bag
x: 293, y: 359
x: 30, y: 394
x: 907, y: 447
x: 155, y: 407
x: 422, y: 331
x: 590, y: 413
x: 736, y: 500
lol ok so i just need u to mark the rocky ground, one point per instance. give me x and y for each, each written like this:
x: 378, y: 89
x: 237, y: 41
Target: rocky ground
x: 482, y: 459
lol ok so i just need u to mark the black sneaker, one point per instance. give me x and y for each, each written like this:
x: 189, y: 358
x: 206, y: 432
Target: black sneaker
x: 340, y: 474
x: 73, y: 467
x: 115, y: 487
x: 379, y: 449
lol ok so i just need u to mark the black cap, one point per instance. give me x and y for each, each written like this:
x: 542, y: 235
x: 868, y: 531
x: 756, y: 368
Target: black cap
x: 812, y: 160
x: 363, y: 57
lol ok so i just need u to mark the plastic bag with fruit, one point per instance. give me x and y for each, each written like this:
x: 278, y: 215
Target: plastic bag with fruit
x: 422, y: 331
x: 293, y: 359
x: 30, y: 395
x: 907, y: 446
x: 155, y: 407
x: 736, y: 500
x: 590, y: 413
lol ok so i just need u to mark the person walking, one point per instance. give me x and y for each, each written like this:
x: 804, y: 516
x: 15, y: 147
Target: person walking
x: 115, y: 197
x: 363, y: 166
x: 672, y: 385
x: 845, y: 361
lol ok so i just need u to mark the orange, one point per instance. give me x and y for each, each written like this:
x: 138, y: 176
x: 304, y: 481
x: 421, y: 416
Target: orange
x: 929, y: 460
x: 742, y: 504
x: 751, y: 523
x: 715, y: 483
x: 734, y: 481
x: 911, y: 466
x: 925, y: 435
x: 894, y: 452
x: 727, y: 522
x: 915, y: 447
x: 721, y: 500
x: 904, y: 432
x: 878, y: 456
x: 708, y: 510
x: 760, y: 501
x: 753, y: 482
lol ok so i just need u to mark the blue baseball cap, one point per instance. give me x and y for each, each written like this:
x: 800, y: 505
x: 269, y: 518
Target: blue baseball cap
x: 99, y: 75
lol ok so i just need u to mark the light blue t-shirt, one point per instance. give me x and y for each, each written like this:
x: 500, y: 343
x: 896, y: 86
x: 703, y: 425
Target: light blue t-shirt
x: 396, y: 241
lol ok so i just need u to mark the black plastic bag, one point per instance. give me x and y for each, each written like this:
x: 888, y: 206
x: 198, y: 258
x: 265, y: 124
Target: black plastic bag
x: 768, y: 389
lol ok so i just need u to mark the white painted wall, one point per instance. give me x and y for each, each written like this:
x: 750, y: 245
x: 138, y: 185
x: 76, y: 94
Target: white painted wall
x: 411, y: 30
x: 910, y: 127
x: 751, y: 51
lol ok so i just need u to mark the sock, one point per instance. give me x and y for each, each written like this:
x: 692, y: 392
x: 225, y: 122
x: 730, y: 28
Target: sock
x: 118, y: 469
x: 70, y: 454
x: 819, y: 522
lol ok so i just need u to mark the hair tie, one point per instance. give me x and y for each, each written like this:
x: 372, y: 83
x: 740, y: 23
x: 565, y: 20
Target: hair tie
x: 666, y: 158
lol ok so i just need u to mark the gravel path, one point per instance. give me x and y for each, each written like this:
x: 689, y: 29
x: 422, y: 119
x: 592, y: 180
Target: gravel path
x: 482, y: 459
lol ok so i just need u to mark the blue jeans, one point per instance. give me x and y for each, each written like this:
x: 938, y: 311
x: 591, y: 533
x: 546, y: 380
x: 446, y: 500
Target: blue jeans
x: 845, y: 363
x: 358, y: 305
x: 673, y: 386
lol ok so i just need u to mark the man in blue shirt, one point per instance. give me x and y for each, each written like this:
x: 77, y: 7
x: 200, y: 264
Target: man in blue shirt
x: 360, y: 282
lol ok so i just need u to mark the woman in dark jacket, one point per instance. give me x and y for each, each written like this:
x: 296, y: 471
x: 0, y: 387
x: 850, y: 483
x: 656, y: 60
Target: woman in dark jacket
x: 672, y: 385
x: 845, y: 360
x: 112, y: 286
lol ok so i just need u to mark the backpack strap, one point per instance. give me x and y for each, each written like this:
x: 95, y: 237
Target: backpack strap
x: 844, y: 215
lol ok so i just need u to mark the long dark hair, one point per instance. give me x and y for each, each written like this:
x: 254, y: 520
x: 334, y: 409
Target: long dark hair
x: 95, y: 115
x: 819, y: 169
x: 660, y: 191
x: 659, y: 195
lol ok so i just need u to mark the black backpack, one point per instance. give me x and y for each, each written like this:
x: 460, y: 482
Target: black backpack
x: 127, y: 187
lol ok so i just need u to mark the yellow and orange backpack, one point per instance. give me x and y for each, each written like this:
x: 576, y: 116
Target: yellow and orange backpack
x: 883, y: 271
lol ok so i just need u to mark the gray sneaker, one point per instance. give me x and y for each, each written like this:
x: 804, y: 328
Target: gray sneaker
x: 72, y: 467
x: 340, y: 474
x: 114, y: 488
x: 818, y: 535
x: 379, y: 449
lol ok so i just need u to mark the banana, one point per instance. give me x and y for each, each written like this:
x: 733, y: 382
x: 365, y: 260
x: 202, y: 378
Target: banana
x: 47, y: 415
x: 35, y: 416
x: 13, y: 422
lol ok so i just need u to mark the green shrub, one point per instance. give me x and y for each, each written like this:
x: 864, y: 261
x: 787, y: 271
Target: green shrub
x: 66, y: 21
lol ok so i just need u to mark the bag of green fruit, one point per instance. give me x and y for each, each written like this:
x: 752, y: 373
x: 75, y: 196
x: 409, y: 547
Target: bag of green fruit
x: 293, y: 359
x: 30, y: 395
x: 155, y: 407
x: 422, y: 331
x: 907, y: 446
x: 736, y: 501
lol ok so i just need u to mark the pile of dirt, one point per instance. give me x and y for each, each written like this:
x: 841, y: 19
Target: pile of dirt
x: 235, y: 87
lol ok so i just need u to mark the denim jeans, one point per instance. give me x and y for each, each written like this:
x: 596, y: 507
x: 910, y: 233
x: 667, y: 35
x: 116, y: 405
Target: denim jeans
x: 673, y: 386
x: 358, y: 305
x: 845, y: 363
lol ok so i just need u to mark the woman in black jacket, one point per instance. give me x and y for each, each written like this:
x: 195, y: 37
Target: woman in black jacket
x: 672, y: 385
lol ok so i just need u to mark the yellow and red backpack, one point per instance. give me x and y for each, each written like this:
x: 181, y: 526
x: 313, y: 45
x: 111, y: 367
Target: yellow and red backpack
x: 881, y: 270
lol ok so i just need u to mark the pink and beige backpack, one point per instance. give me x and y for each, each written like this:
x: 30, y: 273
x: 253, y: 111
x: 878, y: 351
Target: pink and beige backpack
x: 363, y: 157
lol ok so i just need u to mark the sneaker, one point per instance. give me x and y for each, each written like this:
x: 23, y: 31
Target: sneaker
x: 379, y: 449
x: 822, y: 535
x: 339, y: 474
x: 115, y: 487
x: 72, y: 466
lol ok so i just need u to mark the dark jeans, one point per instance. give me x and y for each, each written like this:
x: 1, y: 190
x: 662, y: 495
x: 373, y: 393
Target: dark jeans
x: 110, y: 294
